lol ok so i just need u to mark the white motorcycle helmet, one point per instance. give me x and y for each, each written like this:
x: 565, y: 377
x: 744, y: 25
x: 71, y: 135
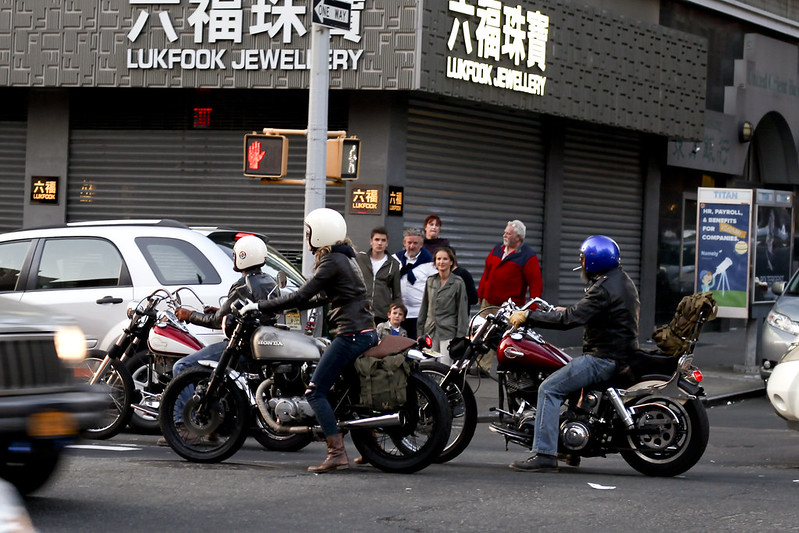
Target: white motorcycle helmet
x: 248, y: 252
x: 324, y: 227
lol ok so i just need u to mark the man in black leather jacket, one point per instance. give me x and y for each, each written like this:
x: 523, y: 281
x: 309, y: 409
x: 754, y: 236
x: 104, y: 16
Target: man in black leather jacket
x: 609, y: 311
x: 249, y: 255
x: 337, y: 281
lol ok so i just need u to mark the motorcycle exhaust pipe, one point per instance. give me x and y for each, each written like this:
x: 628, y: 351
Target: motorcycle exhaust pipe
x: 146, y: 410
x: 618, y: 404
x: 374, y: 422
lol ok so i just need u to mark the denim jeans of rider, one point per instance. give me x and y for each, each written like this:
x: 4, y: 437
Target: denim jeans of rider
x: 342, y: 351
x: 578, y: 373
x: 212, y: 352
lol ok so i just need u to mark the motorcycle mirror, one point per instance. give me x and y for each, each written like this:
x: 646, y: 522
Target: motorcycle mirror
x: 282, y: 280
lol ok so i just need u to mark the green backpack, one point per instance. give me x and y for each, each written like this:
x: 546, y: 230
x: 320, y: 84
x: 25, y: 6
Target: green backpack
x: 677, y: 337
x: 384, y: 373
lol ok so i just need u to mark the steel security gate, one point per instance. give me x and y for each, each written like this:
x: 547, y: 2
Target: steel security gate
x: 187, y: 175
x: 603, y: 194
x: 13, y: 137
x: 476, y: 169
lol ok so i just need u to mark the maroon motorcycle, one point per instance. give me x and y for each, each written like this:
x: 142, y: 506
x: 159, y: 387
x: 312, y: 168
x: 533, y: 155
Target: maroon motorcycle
x: 650, y: 412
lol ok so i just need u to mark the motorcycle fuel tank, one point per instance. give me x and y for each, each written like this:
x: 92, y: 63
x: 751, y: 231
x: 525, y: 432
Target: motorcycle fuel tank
x: 529, y: 349
x: 270, y: 343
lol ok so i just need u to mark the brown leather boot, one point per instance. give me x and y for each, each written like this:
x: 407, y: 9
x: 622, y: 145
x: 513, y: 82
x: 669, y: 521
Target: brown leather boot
x: 336, y: 456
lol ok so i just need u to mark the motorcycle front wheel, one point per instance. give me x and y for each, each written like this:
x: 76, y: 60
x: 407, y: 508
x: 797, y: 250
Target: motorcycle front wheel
x: 118, y: 410
x: 668, y: 436
x: 419, y: 440
x: 463, y: 407
x: 203, y: 435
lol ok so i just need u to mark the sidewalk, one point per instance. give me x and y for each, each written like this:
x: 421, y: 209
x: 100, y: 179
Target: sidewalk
x: 718, y: 355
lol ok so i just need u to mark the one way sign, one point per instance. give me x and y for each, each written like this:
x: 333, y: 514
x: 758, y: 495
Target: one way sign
x: 332, y: 13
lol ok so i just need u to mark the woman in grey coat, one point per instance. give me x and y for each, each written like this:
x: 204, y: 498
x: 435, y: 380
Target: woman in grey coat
x: 444, y: 314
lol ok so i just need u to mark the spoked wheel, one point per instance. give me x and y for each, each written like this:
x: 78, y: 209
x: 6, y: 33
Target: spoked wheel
x: 668, y: 437
x: 143, y: 374
x: 463, y: 407
x: 419, y: 440
x: 120, y: 395
x: 208, y: 435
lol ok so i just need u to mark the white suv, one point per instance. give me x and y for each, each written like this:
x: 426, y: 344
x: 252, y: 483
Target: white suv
x: 92, y: 270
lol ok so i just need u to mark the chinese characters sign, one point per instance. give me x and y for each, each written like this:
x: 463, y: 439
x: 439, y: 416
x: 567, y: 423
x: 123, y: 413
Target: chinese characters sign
x: 212, y: 23
x: 44, y: 190
x: 395, y: 200
x: 489, y: 31
x: 365, y: 200
x: 722, y: 251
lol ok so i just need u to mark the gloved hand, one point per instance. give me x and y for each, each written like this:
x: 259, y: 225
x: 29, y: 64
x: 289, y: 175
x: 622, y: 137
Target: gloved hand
x: 249, y: 308
x: 517, y: 318
x: 183, y: 314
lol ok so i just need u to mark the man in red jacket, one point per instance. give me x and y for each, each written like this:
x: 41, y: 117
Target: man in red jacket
x: 511, y: 271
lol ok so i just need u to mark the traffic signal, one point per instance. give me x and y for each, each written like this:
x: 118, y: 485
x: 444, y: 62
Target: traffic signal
x: 265, y: 156
x: 343, y: 158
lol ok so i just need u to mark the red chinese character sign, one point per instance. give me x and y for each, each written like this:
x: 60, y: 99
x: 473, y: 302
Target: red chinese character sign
x: 265, y: 156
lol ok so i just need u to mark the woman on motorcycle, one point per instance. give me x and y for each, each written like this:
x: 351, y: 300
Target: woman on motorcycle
x: 337, y: 281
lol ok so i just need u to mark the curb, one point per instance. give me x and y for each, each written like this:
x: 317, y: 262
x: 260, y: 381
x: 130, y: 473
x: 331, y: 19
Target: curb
x: 721, y: 399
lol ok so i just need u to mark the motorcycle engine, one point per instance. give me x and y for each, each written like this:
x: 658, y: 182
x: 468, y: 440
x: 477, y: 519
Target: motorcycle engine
x: 291, y: 409
x: 575, y: 434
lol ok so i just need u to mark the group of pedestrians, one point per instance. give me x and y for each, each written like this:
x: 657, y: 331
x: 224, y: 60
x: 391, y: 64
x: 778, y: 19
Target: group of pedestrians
x: 437, y: 293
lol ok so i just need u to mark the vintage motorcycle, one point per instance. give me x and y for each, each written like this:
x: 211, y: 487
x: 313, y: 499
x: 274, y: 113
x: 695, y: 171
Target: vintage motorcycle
x: 139, y: 364
x: 213, y: 423
x: 651, y: 415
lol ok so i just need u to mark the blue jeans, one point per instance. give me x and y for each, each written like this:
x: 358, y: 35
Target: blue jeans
x: 580, y: 372
x: 341, y: 352
x: 212, y: 352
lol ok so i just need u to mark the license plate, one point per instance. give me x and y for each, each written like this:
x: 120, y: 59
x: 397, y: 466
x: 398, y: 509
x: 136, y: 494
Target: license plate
x: 294, y: 321
x: 51, y: 424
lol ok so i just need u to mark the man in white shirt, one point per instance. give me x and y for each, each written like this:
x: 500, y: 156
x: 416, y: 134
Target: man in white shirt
x: 417, y: 265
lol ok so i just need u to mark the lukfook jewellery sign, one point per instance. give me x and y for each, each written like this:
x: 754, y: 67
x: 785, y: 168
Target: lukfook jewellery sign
x: 227, y: 22
x: 488, y: 31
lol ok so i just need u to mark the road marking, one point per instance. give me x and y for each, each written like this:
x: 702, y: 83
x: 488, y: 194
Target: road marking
x: 106, y: 448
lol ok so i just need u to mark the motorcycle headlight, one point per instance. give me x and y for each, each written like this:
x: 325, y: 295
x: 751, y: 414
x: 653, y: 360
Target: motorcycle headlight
x: 70, y: 343
x: 782, y: 323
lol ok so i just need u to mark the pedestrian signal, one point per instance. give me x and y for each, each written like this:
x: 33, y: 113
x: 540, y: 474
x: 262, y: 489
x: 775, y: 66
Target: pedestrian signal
x: 343, y: 158
x: 265, y: 156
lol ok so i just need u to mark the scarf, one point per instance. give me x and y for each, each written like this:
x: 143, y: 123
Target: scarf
x: 407, y: 268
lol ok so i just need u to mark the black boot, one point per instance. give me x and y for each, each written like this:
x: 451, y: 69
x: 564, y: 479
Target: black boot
x: 537, y: 463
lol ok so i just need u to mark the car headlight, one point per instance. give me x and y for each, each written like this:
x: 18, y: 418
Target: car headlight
x: 783, y: 323
x: 70, y: 343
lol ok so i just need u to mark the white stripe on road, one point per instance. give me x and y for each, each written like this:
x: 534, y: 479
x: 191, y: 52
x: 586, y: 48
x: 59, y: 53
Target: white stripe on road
x: 106, y: 448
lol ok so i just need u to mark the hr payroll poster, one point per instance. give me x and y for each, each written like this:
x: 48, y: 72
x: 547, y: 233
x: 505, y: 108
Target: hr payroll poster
x: 724, y: 225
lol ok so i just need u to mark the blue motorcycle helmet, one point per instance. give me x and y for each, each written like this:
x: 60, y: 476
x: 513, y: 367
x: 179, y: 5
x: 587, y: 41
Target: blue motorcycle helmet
x: 600, y: 252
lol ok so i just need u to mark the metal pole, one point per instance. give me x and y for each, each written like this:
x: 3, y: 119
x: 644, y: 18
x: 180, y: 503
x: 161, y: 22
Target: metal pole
x: 316, y: 169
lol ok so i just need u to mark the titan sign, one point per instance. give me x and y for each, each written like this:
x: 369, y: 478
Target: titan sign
x: 218, y: 21
x: 488, y: 31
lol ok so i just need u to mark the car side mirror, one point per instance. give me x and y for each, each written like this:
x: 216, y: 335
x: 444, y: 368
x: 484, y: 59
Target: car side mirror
x: 282, y: 280
x: 778, y: 287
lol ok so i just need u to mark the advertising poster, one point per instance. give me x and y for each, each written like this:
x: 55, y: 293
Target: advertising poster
x: 773, y: 218
x: 722, y: 253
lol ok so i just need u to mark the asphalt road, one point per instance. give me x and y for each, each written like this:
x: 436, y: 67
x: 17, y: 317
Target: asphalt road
x: 748, y: 480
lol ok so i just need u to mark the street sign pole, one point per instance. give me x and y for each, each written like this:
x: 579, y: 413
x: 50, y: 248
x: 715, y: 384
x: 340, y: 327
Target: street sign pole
x: 316, y: 166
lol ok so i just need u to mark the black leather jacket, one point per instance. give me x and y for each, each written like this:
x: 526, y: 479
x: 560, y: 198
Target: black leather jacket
x: 261, y: 284
x: 339, y: 282
x: 609, y: 311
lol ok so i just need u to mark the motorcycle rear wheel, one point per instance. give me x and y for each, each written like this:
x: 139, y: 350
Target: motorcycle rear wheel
x: 679, y: 443
x: 210, y: 436
x: 463, y: 407
x: 120, y: 395
x: 416, y: 444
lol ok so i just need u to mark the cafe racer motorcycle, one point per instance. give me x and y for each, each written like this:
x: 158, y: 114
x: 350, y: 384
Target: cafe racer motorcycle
x: 217, y: 411
x: 652, y: 415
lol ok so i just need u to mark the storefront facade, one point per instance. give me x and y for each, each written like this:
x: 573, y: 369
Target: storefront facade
x: 553, y: 112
